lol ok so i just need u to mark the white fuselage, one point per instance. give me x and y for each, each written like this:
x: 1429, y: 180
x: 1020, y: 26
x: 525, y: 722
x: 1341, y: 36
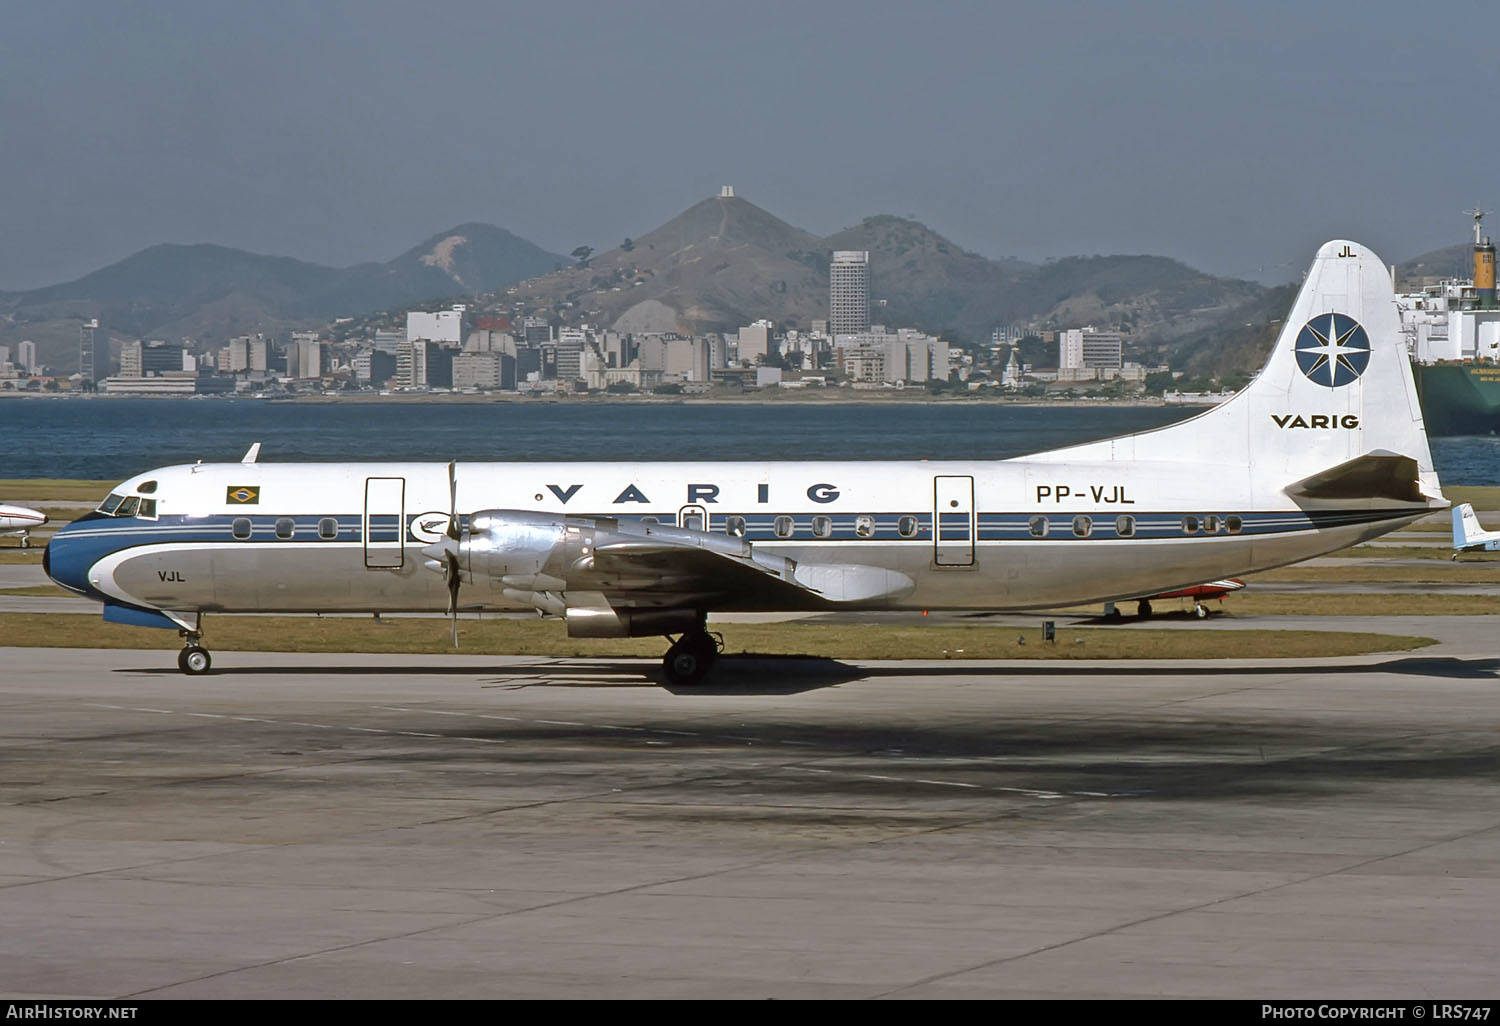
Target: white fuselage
x: 19, y: 519
x: 1013, y: 534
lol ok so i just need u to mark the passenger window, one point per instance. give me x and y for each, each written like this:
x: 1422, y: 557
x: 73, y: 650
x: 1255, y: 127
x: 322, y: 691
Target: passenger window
x: 148, y: 509
x: 1083, y: 526
x: 734, y: 527
x: 285, y: 527
x: 822, y: 527
x: 693, y: 521
x: 650, y: 520
x: 906, y: 527
x: 241, y: 527
x: 864, y: 527
x: 128, y: 507
x: 784, y: 527
x: 1125, y: 526
x: 1190, y: 524
x: 111, y: 503
x: 328, y: 528
x: 1234, y: 523
x: 1039, y: 527
x: 1211, y: 524
x: 147, y: 488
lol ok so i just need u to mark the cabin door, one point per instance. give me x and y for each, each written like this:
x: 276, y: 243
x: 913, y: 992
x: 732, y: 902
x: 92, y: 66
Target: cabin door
x: 953, y: 521
x: 383, y: 522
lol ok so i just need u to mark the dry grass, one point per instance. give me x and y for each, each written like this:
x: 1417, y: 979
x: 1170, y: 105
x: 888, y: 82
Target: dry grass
x: 549, y: 638
x: 1469, y: 570
x: 61, y: 489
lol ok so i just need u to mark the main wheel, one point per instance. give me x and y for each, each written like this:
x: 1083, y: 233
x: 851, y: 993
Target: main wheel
x: 194, y: 660
x: 689, y: 660
x: 1200, y: 610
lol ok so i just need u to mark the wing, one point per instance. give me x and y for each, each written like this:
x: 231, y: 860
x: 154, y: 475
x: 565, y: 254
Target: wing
x: 701, y: 569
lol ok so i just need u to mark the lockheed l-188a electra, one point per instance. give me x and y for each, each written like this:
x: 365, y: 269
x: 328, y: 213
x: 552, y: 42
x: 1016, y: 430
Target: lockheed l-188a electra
x: 1324, y: 449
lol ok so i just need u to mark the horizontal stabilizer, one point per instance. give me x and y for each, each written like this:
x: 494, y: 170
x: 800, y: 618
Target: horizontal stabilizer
x: 1375, y: 475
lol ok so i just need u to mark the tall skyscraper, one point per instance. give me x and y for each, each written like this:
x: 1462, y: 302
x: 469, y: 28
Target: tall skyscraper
x: 849, y: 292
x: 26, y: 358
x: 93, y: 352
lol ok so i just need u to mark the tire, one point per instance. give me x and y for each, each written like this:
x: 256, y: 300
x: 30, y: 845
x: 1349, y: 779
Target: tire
x: 194, y: 660
x: 688, y: 661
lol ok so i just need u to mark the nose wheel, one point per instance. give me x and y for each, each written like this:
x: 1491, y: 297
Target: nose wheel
x: 194, y: 659
x: 690, y: 658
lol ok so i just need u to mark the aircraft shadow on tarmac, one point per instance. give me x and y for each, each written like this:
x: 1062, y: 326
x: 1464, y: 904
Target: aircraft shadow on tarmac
x: 791, y: 675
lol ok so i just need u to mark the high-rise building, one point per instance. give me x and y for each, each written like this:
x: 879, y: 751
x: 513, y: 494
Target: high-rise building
x: 1081, y: 348
x: 537, y: 331
x: 131, y: 365
x: 93, y: 351
x: 26, y: 357
x: 757, y: 344
x: 441, y: 326
x: 849, y: 292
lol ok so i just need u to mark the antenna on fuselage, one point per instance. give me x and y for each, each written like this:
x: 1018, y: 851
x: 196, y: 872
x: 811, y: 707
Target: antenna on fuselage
x: 252, y: 454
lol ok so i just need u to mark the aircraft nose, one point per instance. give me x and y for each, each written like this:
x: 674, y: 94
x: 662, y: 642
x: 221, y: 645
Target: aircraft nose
x: 64, y: 560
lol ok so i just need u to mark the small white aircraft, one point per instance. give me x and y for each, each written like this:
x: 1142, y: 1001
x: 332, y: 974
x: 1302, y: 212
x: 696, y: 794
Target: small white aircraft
x: 1324, y: 449
x: 1199, y: 593
x: 18, y: 520
x: 1468, y: 535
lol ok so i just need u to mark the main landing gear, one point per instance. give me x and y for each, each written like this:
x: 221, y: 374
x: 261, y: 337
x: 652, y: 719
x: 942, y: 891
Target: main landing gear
x: 194, y: 658
x: 691, y: 657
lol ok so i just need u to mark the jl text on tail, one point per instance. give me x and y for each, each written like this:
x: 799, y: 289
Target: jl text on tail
x: 1324, y: 449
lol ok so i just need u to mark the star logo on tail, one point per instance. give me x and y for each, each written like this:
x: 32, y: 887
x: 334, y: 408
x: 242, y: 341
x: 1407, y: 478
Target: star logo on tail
x: 1333, y: 350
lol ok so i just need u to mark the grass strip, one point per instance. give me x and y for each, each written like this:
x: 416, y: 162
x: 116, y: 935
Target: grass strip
x: 549, y: 638
x: 1468, y: 570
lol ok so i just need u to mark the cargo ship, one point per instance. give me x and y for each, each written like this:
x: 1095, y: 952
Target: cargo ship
x: 1452, y: 333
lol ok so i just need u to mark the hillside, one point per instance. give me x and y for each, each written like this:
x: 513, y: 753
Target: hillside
x: 1448, y: 262
x: 212, y: 293
x: 725, y: 262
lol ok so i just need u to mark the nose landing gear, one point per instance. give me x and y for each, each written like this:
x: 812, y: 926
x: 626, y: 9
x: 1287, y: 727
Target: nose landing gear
x: 194, y: 659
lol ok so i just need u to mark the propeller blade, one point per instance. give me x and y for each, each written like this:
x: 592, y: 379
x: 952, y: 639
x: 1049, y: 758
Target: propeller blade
x: 452, y: 501
x: 453, y: 582
x: 450, y: 560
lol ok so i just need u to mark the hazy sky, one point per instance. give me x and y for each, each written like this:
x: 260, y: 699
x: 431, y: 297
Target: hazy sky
x: 1235, y: 137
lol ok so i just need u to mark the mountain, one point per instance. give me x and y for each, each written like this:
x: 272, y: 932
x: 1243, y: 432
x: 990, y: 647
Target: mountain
x: 212, y: 293
x: 725, y: 262
x: 1448, y: 262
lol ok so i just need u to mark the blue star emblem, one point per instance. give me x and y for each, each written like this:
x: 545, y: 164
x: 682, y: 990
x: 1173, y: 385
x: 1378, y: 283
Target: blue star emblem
x: 1332, y: 350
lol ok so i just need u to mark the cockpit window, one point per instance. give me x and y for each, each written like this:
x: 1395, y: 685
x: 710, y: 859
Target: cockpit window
x: 146, y: 487
x: 117, y: 505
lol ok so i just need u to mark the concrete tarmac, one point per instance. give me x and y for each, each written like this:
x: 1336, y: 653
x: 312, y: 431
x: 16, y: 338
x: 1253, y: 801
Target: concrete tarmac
x: 345, y: 826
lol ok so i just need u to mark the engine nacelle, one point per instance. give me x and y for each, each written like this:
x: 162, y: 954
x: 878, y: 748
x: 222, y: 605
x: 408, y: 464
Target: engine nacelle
x: 605, y: 622
x: 507, y: 543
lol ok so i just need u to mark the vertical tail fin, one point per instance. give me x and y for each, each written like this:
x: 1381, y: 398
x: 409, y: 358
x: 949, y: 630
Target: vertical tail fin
x: 1336, y: 387
x: 1466, y: 526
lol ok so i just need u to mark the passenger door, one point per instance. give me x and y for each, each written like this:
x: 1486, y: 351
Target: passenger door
x: 953, y: 521
x: 384, y: 521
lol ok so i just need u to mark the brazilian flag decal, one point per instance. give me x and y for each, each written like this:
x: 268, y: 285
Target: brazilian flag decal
x: 242, y: 496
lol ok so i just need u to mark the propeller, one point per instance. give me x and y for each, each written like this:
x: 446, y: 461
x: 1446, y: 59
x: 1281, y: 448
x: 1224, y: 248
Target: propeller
x: 450, y: 552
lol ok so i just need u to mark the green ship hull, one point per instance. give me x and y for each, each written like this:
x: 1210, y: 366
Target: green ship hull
x: 1459, y: 398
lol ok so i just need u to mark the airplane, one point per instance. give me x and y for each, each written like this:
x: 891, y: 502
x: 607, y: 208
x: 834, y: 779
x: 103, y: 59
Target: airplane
x: 1468, y: 535
x: 1199, y: 593
x: 1324, y: 449
x: 18, y: 520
